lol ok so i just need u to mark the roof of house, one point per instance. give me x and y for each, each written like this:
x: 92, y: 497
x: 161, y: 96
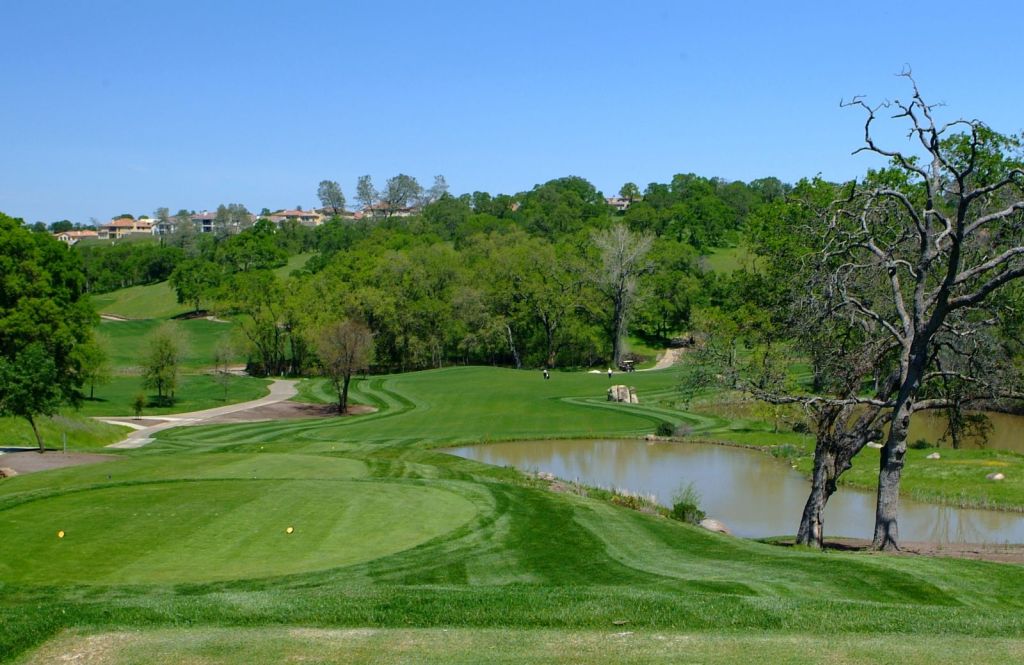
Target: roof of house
x: 129, y: 223
x: 76, y: 234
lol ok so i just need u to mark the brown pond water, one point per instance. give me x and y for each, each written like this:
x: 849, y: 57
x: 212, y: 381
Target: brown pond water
x: 753, y: 493
x: 1007, y: 430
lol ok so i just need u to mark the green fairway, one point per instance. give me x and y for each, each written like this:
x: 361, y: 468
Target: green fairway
x: 152, y: 301
x: 195, y: 392
x: 389, y: 534
x: 727, y: 259
x: 127, y: 342
x: 159, y: 301
x: 216, y: 530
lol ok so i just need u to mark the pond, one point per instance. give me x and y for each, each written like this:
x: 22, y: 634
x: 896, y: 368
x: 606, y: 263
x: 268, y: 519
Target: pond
x: 754, y: 494
x: 1007, y: 430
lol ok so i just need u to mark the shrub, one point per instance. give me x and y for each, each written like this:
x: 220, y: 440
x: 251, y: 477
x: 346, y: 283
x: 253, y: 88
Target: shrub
x: 686, y: 505
x: 665, y: 429
x: 785, y: 451
x: 801, y: 428
x: 921, y: 444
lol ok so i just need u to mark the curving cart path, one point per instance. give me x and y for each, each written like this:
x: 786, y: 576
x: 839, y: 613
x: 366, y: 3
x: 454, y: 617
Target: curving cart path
x: 280, y: 390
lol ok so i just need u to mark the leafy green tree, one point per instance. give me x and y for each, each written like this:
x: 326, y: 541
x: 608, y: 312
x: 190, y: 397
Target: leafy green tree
x: 630, y: 192
x: 195, y: 279
x: 95, y: 365
x: 256, y: 248
x: 258, y: 295
x: 30, y: 387
x: 400, y: 192
x: 45, y: 319
x: 329, y: 193
x: 367, y: 194
x: 160, y: 366
x: 62, y: 225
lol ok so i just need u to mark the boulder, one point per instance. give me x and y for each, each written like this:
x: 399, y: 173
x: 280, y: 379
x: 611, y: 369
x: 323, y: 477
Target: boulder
x: 874, y: 444
x: 7, y: 472
x: 714, y: 525
x: 933, y: 456
x: 996, y: 476
x: 624, y: 394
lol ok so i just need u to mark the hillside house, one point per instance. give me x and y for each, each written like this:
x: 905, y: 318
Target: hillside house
x: 304, y: 217
x: 71, y: 237
x: 119, y: 228
x: 620, y: 204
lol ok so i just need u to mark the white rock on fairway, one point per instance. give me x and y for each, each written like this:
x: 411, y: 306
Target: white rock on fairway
x: 996, y: 476
x: 714, y: 525
x: 934, y: 456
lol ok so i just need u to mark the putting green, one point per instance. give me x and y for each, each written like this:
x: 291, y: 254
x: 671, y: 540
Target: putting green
x: 200, y: 531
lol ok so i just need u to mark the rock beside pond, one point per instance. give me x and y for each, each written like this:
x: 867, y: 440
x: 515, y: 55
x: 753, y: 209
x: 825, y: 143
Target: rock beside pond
x: 714, y: 525
x: 6, y: 472
x: 624, y: 394
x: 996, y: 476
x: 933, y: 456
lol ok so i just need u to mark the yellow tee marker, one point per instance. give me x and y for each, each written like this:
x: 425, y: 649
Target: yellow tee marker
x: 60, y: 534
x: 288, y: 530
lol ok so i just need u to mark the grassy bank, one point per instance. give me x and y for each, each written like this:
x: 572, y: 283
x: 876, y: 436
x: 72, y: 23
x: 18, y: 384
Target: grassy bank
x: 127, y: 342
x: 82, y: 433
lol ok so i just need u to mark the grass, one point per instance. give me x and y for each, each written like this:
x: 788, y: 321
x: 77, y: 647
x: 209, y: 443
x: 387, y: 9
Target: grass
x: 152, y: 301
x: 958, y: 478
x: 127, y: 342
x: 195, y: 392
x: 82, y: 433
x: 159, y: 301
x: 178, y: 550
x: 612, y: 646
x: 727, y: 259
x: 296, y: 262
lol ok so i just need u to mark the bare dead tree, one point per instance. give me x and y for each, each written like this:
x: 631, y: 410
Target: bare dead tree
x: 916, y: 250
x: 623, y: 261
x: 344, y: 348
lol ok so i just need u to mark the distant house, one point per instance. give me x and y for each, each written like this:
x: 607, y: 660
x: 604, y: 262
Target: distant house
x: 204, y: 221
x: 620, y: 204
x: 71, y: 237
x: 119, y: 228
x: 304, y: 217
x: 164, y: 227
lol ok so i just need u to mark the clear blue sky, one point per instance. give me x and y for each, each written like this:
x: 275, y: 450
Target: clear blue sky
x: 111, y: 107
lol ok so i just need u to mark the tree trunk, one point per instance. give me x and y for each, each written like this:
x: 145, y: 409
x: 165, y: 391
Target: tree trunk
x: 35, y: 430
x: 343, y: 396
x: 890, y: 468
x: 823, y: 485
x: 512, y: 346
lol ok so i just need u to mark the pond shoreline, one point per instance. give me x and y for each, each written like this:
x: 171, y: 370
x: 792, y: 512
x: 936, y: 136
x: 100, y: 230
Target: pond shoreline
x: 752, y: 495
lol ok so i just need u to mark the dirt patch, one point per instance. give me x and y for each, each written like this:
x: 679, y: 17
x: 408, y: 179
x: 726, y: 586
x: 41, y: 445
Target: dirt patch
x: 976, y: 551
x: 30, y: 461
x: 287, y: 410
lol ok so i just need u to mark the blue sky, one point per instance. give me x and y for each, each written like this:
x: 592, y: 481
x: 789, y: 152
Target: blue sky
x: 112, y: 107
